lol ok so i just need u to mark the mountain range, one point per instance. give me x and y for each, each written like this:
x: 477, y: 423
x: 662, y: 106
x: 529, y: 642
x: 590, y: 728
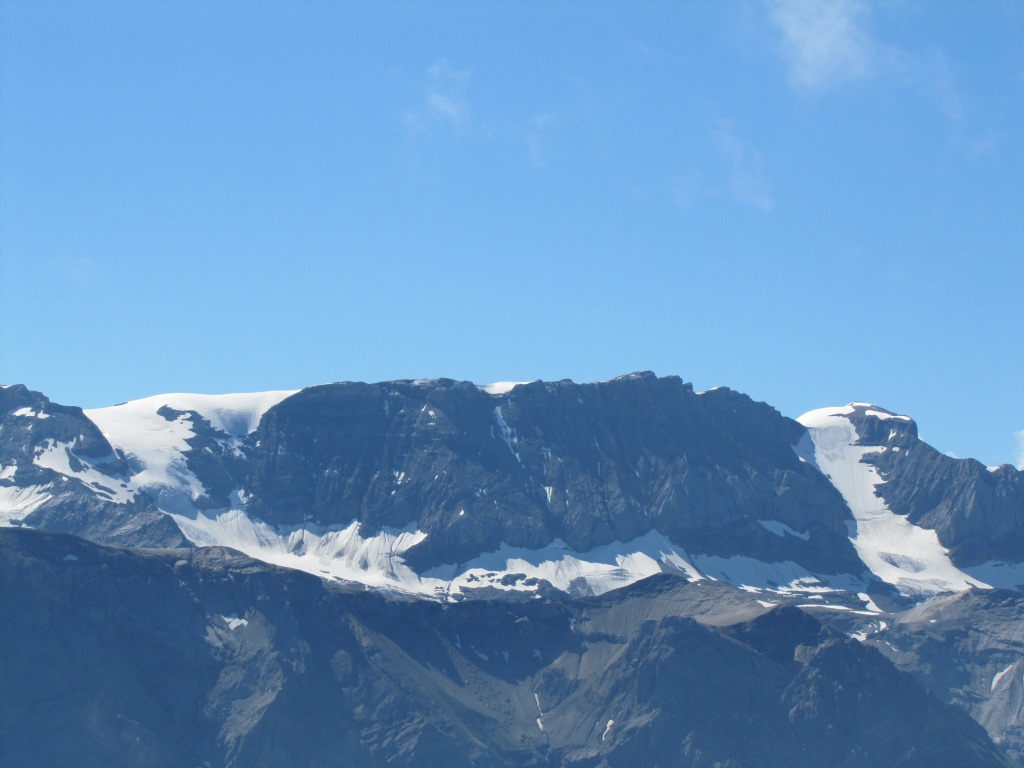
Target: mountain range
x: 544, y: 573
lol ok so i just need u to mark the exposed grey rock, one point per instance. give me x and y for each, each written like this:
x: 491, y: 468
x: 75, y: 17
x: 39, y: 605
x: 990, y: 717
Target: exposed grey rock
x: 968, y: 649
x: 620, y: 458
x: 28, y: 423
x: 977, y: 513
x: 180, y: 657
x: 24, y: 430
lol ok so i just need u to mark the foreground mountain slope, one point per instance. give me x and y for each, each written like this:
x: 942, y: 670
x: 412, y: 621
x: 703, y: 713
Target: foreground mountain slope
x: 968, y: 649
x: 180, y: 657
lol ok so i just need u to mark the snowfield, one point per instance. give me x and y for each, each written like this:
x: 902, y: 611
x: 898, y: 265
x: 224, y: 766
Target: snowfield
x: 902, y: 554
x: 156, y: 447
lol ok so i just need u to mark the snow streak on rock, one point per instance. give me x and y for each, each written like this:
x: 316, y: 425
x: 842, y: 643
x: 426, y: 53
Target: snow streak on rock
x: 896, y: 551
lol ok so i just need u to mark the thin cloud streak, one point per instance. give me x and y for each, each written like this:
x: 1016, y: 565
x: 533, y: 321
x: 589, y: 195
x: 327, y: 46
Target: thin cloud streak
x: 823, y: 42
x: 76, y: 269
x: 685, y: 190
x: 826, y: 43
x: 538, y: 127
x: 746, y: 182
x: 444, y: 100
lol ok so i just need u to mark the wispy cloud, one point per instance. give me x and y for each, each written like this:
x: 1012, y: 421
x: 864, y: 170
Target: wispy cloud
x: 685, y: 190
x: 537, y: 128
x: 1020, y: 447
x: 823, y: 42
x: 745, y: 180
x: 444, y: 100
x: 827, y: 43
x: 76, y: 269
x: 933, y: 75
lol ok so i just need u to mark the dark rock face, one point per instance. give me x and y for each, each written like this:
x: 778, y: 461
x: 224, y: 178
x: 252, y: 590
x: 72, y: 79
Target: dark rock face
x: 178, y: 657
x: 588, y: 464
x: 978, y: 514
x: 135, y: 523
x: 29, y: 422
x: 217, y: 459
x: 21, y: 407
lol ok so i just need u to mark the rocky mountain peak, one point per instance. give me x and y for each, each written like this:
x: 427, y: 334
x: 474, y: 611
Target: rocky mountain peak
x: 878, y: 426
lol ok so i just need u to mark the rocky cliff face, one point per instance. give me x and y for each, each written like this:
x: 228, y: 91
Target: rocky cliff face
x: 977, y: 512
x: 400, y: 481
x: 587, y: 464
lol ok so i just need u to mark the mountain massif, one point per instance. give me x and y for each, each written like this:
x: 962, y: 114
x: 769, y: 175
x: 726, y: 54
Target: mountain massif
x: 547, y: 573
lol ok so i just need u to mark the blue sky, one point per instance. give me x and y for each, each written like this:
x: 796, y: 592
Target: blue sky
x: 812, y: 203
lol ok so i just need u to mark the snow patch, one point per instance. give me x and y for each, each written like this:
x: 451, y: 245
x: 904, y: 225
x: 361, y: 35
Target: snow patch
x: 28, y: 413
x: 234, y: 622
x: 377, y: 560
x: 597, y: 571
x: 884, y: 414
x: 825, y: 607
x: 156, y: 447
x: 784, y: 578
x: 57, y: 456
x: 500, y: 387
x: 17, y: 503
x: 234, y: 414
x: 781, y: 529
x: 607, y: 729
x: 337, y: 552
x: 868, y: 602
x: 507, y: 433
x: 999, y: 676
